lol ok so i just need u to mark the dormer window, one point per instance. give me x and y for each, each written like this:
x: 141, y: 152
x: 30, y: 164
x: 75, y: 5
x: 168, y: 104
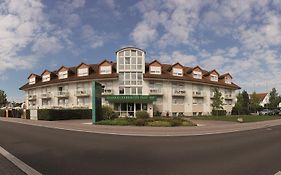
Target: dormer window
x: 155, y: 70
x: 214, y: 77
x: 197, y: 74
x: 32, y: 80
x: 227, y: 80
x: 83, y: 72
x: 105, y: 70
x: 46, y: 78
x: 177, y: 72
x: 63, y: 74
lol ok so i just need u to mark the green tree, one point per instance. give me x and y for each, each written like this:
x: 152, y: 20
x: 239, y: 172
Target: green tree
x: 274, y: 99
x: 254, y: 102
x: 217, y: 100
x: 237, y: 109
x: 245, y: 103
x: 3, y: 98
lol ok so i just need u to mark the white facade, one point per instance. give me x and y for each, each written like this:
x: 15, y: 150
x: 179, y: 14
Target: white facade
x: 174, y: 97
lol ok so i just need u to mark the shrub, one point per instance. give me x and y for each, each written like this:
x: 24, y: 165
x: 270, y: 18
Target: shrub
x: 140, y: 122
x: 142, y: 115
x: 117, y: 121
x: 108, y: 113
x: 218, y: 112
x: 27, y: 114
x: 2, y: 112
x: 176, y: 122
x: 159, y: 123
x: 64, y: 114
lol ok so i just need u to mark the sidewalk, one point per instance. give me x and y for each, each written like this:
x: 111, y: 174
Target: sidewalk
x: 204, y: 128
x: 8, y: 168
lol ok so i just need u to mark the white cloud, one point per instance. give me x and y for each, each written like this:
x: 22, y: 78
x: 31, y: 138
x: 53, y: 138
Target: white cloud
x: 177, y: 56
x: 93, y: 38
x: 143, y: 34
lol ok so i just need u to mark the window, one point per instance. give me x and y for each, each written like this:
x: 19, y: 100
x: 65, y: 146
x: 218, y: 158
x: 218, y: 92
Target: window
x: 82, y: 101
x: 105, y: 70
x: 177, y: 72
x: 46, y: 78
x: 228, y: 80
x: 83, y: 72
x: 214, y: 77
x: 32, y: 80
x: 197, y: 74
x: 197, y: 101
x: 46, y: 102
x: 63, y: 74
x: 63, y: 102
x: 155, y: 70
x: 178, y: 100
x: 159, y: 100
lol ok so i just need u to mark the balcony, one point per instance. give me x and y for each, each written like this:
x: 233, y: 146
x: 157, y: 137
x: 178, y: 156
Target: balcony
x: 82, y: 93
x: 31, y: 97
x: 228, y: 96
x: 199, y: 94
x: 179, y: 92
x: 155, y: 91
x: 107, y: 92
x: 62, y: 94
x: 46, y: 95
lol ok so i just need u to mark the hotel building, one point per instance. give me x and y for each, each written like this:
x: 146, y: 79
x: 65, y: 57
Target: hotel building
x: 130, y: 84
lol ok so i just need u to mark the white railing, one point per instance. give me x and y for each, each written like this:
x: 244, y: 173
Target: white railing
x: 31, y: 97
x: 155, y: 91
x: 63, y: 94
x: 107, y: 92
x: 179, y: 92
x: 82, y: 93
x: 198, y: 94
x: 46, y: 95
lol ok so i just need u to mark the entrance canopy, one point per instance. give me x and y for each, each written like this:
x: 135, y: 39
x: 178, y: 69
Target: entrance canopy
x: 131, y: 98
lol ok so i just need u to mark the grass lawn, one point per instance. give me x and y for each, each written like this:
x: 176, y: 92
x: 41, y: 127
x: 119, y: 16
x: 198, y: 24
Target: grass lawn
x: 246, y: 118
x: 155, y: 122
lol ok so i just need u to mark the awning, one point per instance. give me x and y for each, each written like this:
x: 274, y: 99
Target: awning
x: 131, y: 98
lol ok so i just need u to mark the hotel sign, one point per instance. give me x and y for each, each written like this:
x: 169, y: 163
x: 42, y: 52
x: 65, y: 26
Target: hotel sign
x: 131, y: 98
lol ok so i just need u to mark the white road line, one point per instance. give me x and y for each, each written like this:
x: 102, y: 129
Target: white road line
x: 20, y: 164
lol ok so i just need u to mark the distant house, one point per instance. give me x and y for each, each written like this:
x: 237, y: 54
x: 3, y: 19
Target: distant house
x: 263, y: 98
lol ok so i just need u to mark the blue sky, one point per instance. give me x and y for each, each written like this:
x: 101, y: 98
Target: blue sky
x: 240, y: 37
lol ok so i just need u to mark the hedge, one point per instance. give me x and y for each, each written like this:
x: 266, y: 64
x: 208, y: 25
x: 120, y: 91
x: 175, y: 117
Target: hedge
x: 218, y: 112
x: 2, y: 112
x: 64, y: 114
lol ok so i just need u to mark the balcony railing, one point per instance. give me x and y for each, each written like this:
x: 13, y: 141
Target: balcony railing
x: 198, y: 94
x: 82, y: 93
x: 155, y: 91
x: 31, y: 97
x: 63, y: 94
x: 46, y: 95
x: 228, y: 96
x: 179, y: 92
x: 107, y: 92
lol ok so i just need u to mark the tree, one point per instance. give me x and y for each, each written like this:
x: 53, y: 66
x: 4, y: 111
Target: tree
x: 242, y: 104
x: 217, y: 100
x: 274, y: 99
x: 3, y: 98
x: 254, y: 102
x: 245, y: 103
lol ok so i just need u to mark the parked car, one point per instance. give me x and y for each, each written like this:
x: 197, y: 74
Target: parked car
x: 266, y: 112
x: 276, y: 112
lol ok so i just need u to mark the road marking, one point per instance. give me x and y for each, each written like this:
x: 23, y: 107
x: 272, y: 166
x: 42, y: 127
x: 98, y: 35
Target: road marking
x: 20, y: 164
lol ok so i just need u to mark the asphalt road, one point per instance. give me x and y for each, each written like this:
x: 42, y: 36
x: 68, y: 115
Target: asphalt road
x: 52, y: 151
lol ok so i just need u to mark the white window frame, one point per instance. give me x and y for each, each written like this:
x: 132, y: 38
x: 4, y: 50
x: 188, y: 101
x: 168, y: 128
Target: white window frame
x: 46, y: 78
x: 155, y: 70
x: 197, y: 74
x: 63, y: 74
x: 32, y: 80
x: 177, y: 72
x: 227, y: 80
x: 105, y: 70
x: 214, y: 77
x: 83, y: 72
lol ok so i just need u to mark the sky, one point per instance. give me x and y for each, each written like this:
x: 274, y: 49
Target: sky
x: 242, y: 37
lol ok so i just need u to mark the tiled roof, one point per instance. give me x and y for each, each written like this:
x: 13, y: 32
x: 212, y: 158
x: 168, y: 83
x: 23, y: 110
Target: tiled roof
x: 166, y: 74
x: 261, y: 96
